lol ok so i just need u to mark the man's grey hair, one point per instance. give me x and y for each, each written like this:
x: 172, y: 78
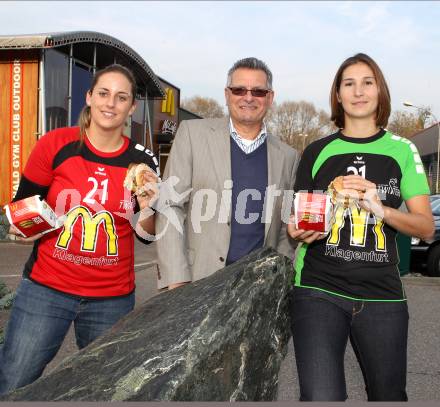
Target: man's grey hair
x: 250, y: 63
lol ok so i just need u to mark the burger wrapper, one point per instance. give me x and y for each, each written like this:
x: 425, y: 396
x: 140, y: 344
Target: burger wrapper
x: 32, y: 215
x: 313, y: 211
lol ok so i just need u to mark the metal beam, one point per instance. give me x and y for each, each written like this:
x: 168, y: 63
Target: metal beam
x: 150, y: 130
x: 145, y: 122
x: 69, y: 87
x: 42, y: 128
x: 94, y: 59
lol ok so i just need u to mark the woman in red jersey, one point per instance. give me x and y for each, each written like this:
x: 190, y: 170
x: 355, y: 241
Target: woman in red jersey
x: 82, y: 272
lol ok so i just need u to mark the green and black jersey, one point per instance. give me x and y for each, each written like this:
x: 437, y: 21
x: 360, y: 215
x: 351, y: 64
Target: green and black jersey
x: 358, y: 259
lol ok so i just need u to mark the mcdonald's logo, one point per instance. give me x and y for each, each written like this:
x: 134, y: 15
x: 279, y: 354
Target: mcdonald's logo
x: 359, y: 221
x: 90, y: 224
x: 168, y: 102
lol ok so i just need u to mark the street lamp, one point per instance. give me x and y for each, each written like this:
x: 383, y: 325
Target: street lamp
x: 409, y: 104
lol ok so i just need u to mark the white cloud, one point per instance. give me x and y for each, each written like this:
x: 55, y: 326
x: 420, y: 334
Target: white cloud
x: 376, y: 16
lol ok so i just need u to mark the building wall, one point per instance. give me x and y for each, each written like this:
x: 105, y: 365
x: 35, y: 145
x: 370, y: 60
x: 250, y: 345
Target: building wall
x: 166, y: 114
x: 427, y: 142
x: 19, y: 110
x: 165, y: 121
x: 18, y: 116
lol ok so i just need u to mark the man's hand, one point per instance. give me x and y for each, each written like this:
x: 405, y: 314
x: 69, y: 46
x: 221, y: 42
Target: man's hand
x: 177, y: 285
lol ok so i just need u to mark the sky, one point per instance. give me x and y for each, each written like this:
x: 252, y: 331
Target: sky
x: 193, y: 44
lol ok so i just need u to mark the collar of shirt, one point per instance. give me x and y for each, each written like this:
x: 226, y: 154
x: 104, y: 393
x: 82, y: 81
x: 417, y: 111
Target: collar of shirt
x: 248, y: 146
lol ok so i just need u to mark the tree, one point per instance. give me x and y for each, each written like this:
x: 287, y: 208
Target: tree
x: 299, y: 123
x: 406, y: 124
x: 203, y: 106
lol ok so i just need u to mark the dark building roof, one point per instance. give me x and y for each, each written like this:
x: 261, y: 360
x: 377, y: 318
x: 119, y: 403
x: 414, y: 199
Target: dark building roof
x: 109, y: 49
x: 427, y: 140
x: 185, y: 114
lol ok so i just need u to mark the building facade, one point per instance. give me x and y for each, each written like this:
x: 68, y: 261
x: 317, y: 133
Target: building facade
x: 44, y: 79
x: 427, y: 142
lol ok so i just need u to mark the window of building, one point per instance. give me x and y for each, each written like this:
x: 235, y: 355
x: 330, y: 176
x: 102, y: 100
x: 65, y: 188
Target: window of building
x: 81, y: 81
x: 56, y: 82
x: 137, y: 122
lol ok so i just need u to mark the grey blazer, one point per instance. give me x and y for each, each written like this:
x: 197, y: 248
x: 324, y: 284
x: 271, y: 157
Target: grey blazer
x: 201, y: 159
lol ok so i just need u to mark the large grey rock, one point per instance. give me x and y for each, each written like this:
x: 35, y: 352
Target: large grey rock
x: 220, y: 338
x: 4, y: 226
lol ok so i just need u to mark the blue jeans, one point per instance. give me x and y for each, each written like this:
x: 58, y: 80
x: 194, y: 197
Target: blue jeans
x: 378, y: 331
x: 39, y: 321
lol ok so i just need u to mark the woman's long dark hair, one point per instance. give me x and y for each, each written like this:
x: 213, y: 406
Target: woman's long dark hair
x: 384, y: 102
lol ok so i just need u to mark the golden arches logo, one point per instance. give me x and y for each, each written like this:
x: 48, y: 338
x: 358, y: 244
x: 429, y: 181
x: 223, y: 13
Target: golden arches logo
x: 90, y: 224
x: 168, y: 102
x: 335, y: 233
x: 380, y: 235
x: 359, y: 221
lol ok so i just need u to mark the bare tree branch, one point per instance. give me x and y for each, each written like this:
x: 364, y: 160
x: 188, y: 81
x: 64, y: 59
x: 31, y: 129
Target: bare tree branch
x: 299, y: 123
x: 203, y: 106
x: 406, y: 124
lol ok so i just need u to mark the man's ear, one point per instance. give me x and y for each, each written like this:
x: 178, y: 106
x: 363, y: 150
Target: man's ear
x: 271, y: 97
x: 226, y: 96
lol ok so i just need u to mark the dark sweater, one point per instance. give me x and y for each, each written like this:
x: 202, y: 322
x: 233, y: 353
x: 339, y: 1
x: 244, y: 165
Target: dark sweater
x: 249, y: 172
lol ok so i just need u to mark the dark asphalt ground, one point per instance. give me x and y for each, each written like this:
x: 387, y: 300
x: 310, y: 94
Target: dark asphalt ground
x: 424, y: 333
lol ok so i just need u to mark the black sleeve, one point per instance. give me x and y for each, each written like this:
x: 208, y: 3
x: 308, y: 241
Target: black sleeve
x: 27, y: 188
x: 150, y: 159
x: 304, y: 180
x: 136, y: 210
x: 304, y: 176
x: 144, y: 241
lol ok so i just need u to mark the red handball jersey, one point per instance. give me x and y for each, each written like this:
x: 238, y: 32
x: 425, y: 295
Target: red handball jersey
x: 92, y: 255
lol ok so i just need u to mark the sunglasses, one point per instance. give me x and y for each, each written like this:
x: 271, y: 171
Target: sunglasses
x: 240, y: 91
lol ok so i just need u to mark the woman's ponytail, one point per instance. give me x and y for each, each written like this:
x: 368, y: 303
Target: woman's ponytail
x: 84, y: 122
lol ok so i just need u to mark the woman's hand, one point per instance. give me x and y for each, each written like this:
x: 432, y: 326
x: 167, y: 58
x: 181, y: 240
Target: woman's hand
x: 417, y: 222
x: 366, y: 194
x: 148, y: 193
x: 301, y: 235
x: 19, y: 237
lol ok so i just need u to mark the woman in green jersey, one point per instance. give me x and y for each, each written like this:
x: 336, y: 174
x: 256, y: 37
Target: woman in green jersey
x: 347, y: 283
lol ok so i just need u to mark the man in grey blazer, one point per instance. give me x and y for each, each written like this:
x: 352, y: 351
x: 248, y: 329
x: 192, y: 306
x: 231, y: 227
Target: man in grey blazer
x: 230, y: 177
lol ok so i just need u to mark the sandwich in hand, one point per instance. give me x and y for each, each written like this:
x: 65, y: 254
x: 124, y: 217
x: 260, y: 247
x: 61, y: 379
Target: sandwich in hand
x: 134, y: 180
x: 343, y: 197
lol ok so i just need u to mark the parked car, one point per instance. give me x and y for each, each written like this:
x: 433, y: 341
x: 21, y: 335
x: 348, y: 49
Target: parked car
x: 428, y: 253
x: 434, y: 197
